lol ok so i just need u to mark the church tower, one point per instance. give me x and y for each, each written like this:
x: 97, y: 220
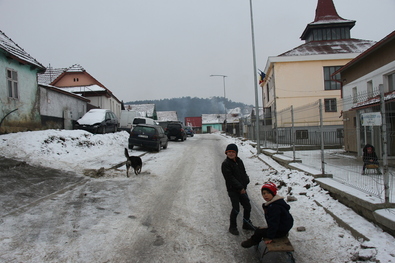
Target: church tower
x: 327, y: 25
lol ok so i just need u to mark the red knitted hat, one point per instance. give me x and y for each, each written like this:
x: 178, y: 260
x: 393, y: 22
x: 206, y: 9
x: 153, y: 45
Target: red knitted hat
x: 271, y: 187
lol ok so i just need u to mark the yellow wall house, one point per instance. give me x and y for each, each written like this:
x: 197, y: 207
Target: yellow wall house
x: 302, y: 75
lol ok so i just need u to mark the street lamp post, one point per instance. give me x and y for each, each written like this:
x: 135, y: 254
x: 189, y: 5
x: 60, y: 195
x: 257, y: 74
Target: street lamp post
x: 223, y: 78
x: 258, y: 145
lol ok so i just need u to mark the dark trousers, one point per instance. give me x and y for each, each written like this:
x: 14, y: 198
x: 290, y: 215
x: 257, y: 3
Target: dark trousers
x: 262, y: 233
x: 236, y: 199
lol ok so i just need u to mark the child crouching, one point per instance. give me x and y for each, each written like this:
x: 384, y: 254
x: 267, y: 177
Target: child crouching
x: 279, y: 220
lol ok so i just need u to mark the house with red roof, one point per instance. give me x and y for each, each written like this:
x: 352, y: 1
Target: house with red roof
x: 77, y: 80
x: 302, y: 75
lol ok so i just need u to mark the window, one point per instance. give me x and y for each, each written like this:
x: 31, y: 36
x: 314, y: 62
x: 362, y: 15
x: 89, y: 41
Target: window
x: 12, y: 83
x: 301, y: 134
x: 354, y: 95
x: 370, y: 89
x: 329, y: 84
x: 391, y: 82
x: 330, y: 105
x: 330, y: 34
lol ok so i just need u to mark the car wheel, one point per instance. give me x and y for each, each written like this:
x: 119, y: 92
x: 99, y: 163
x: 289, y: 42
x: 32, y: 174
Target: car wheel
x: 165, y: 146
x: 158, y: 147
x: 115, y: 129
x: 131, y: 146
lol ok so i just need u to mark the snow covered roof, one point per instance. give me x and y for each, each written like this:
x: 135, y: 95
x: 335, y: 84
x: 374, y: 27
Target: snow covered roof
x: 389, y: 96
x: 144, y: 109
x: 213, y: 118
x: 330, y: 47
x: 16, y: 52
x: 90, y: 88
x: 66, y: 92
x: 49, y: 75
x: 167, y: 116
x: 75, y: 68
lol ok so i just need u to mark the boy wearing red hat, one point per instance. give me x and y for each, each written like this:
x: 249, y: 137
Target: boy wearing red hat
x: 279, y: 220
x: 236, y: 180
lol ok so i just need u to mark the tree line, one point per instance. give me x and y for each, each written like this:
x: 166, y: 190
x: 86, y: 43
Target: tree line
x: 193, y: 107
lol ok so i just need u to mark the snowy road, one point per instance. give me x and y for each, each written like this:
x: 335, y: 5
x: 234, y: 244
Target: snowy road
x: 176, y: 210
x: 169, y: 213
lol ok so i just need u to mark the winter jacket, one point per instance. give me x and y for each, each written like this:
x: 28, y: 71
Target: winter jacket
x: 235, y: 175
x: 279, y: 220
x: 369, y: 156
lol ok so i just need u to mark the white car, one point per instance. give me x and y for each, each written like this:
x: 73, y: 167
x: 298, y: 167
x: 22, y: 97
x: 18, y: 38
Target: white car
x: 98, y: 121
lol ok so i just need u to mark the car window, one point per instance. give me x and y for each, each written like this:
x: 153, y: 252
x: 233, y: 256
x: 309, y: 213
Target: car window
x: 144, y: 130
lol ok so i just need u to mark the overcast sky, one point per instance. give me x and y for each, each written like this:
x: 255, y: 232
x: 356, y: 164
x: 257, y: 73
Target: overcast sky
x: 157, y: 49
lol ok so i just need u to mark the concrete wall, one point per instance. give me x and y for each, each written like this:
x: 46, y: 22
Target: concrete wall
x: 27, y: 116
x: 59, y: 107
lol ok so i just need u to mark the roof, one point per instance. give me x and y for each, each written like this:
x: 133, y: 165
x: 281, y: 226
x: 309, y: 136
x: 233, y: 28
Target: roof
x: 326, y: 16
x: 375, y: 101
x: 16, y: 52
x: 62, y: 91
x: 166, y: 116
x: 90, y: 88
x: 50, y: 75
x: 144, y: 109
x: 213, y: 118
x: 385, y: 40
x: 330, y: 47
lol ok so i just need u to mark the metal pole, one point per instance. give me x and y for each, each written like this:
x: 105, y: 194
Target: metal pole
x: 384, y: 140
x: 258, y: 145
x: 322, y: 138
x: 223, y: 78
x: 293, y: 132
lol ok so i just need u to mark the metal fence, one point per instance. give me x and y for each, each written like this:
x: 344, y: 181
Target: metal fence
x: 321, y: 136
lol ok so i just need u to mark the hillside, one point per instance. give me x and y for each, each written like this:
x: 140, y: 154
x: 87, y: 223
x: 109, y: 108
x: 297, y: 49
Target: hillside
x: 194, y: 107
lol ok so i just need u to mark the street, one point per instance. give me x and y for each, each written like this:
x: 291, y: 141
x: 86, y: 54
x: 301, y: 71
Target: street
x: 145, y: 218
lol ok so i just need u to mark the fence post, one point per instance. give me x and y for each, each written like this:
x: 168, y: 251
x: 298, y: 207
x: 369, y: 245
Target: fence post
x: 322, y: 138
x: 293, y: 131
x: 384, y: 141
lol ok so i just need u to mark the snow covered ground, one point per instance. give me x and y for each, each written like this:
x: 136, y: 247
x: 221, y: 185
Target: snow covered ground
x: 77, y: 151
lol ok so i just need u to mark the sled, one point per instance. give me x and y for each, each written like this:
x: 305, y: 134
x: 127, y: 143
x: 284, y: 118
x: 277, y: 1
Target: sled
x: 371, y: 169
x: 279, y: 250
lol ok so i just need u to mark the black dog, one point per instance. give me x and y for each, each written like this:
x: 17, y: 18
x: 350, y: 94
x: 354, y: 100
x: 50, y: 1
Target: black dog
x: 133, y: 161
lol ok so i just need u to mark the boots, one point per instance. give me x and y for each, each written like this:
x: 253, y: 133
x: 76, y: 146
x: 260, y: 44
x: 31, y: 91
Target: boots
x: 249, y: 243
x: 234, y: 231
x: 247, y: 225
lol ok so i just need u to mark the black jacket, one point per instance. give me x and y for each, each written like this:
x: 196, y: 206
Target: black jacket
x: 235, y: 175
x: 279, y: 220
x: 369, y: 156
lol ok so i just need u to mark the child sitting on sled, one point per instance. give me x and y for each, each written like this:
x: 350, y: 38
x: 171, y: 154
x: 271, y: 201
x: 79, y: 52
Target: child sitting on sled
x: 279, y: 220
x: 370, y: 158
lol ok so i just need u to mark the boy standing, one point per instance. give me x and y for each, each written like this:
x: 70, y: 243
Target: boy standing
x: 279, y: 220
x: 236, y: 180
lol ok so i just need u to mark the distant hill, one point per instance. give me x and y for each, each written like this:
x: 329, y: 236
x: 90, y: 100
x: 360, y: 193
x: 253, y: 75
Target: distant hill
x: 194, y: 107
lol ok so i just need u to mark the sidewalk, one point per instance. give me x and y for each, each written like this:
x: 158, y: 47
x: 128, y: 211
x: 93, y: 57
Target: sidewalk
x: 337, y: 167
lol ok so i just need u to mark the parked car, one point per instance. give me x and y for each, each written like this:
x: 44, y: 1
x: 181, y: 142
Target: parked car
x: 126, y: 120
x: 98, y: 121
x: 189, y: 131
x: 175, y: 131
x: 143, y: 120
x: 148, y: 136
